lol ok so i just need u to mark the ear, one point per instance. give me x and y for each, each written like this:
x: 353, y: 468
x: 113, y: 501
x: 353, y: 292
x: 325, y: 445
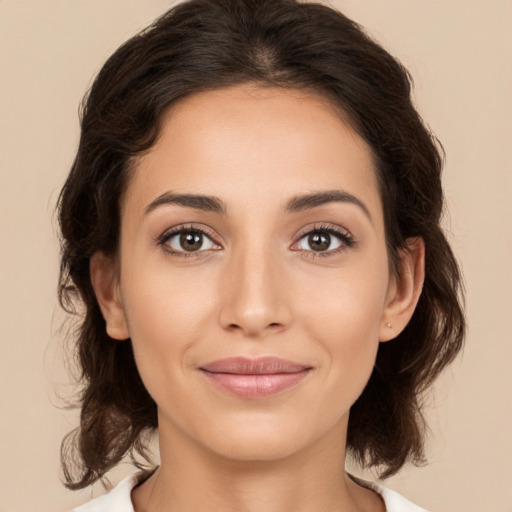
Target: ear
x: 404, y: 290
x: 104, y: 279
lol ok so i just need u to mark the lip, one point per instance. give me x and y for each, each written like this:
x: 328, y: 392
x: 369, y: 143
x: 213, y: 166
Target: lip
x: 255, y: 378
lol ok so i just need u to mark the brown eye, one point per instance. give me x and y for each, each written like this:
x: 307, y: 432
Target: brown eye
x: 324, y: 241
x: 188, y: 240
x: 191, y: 241
x: 319, y: 242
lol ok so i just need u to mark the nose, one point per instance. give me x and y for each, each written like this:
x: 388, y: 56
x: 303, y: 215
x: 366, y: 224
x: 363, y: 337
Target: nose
x: 254, y: 298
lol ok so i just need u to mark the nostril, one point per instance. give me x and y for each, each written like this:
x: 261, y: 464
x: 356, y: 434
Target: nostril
x: 234, y: 327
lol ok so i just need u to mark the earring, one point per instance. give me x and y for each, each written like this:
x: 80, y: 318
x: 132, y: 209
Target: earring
x: 389, y: 325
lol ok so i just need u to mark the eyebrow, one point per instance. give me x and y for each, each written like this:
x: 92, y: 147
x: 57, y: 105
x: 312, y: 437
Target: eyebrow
x: 295, y: 204
x: 196, y: 201
x: 309, y: 201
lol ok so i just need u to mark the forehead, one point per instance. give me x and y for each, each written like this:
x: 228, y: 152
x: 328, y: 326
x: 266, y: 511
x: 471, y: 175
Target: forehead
x: 241, y: 142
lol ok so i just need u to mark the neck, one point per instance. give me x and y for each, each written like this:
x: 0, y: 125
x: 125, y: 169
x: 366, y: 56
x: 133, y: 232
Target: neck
x: 192, y: 478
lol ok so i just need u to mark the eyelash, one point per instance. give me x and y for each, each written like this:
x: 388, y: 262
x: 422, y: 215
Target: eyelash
x: 346, y: 239
x: 166, y: 236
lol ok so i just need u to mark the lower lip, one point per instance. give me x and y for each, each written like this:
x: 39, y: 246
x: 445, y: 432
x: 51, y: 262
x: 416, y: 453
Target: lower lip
x: 255, y: 386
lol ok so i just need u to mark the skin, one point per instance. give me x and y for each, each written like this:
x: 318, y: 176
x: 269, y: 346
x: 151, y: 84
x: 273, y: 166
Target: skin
x: 256, y: 287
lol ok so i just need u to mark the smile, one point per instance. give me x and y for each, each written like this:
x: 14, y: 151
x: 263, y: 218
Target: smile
x: 255, y: 378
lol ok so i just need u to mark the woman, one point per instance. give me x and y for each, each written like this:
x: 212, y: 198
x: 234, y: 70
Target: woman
x: 252, y: 223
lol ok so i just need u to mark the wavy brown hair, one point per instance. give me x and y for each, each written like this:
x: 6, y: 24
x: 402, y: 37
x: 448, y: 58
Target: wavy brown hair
x: 203, y: 45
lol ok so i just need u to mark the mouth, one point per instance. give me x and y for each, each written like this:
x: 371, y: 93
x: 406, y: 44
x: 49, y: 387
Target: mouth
x: 255, y: 378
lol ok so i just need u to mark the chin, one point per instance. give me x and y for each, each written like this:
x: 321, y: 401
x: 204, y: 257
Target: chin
x: 260, y: 449
x: 264, y: 440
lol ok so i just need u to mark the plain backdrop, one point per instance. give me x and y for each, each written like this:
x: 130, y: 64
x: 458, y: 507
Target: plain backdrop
x: 459, y: 53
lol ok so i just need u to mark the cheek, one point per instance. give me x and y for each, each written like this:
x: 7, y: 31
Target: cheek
x: 349, y: 334
x: 164, y: 301
x: 348, y: 305
x: 344, y: 319
x: 166, y: 313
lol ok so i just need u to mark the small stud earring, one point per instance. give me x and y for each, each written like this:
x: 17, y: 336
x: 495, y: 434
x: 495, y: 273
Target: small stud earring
x: 389, y: 325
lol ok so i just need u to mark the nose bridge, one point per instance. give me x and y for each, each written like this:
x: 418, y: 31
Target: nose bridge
x: 253, y: 297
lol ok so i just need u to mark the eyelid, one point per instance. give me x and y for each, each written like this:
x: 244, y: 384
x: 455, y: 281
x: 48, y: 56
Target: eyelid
x: 344, y: 236
x: 169, y: 233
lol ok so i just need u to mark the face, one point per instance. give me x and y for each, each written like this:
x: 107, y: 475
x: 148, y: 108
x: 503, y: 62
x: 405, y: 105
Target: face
x: 253, y: 276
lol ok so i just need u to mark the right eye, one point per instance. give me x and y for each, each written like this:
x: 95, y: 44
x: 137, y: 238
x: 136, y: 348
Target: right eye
x: 185, y: 241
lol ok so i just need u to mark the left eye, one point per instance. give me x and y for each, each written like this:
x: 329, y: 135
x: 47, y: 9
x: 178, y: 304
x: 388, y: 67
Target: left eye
x: 321, y: 241
x: 189, y: 240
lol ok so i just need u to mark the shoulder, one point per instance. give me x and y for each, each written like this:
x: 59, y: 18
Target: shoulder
x: 117, y: 500
x: 394, y: 501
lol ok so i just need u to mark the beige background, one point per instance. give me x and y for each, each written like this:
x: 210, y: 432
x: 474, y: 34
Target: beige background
x: 459, y: 53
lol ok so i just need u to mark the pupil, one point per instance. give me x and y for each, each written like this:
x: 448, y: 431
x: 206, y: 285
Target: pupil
x: 191, y: 241
x: 319, y: 242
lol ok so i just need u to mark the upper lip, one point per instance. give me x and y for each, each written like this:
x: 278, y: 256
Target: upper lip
x: 259, y: 366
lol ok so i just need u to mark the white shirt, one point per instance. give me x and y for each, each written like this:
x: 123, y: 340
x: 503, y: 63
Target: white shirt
x: 119, y: 498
